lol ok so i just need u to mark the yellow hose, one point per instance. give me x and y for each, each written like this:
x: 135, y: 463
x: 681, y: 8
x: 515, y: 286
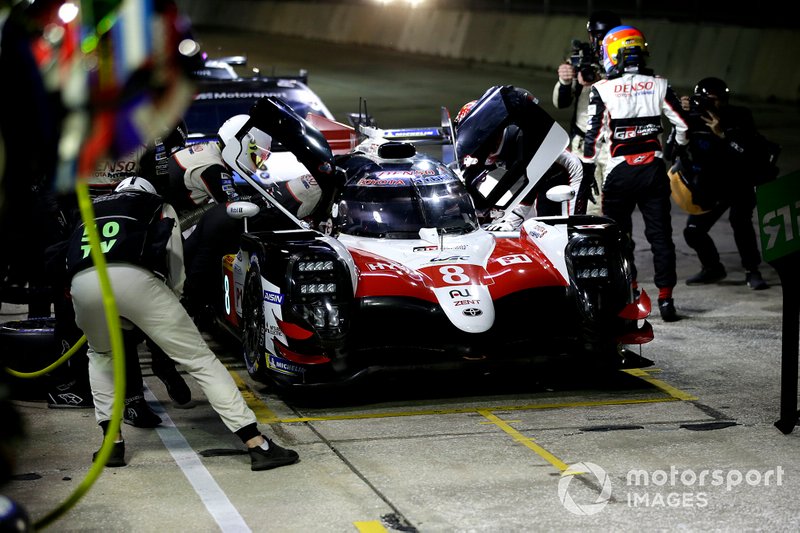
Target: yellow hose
x: 118, y: 353
x: 29, y: 375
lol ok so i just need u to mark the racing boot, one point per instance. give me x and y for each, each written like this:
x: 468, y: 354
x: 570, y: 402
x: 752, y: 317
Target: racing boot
x: 755, y: 281
x: 666, y: 306
x: 138, y: 413
x: 117, y: 457
x: 708, y: 275
x: 273, y: 457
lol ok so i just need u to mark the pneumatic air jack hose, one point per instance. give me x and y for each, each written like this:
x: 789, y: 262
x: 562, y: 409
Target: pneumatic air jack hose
x: 60, y: 361
x: 118, y: 354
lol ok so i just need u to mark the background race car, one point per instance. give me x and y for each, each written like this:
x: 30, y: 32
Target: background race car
x: 222, y: 92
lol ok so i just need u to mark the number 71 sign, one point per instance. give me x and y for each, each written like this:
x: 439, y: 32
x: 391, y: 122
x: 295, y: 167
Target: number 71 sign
x: 779, y: 216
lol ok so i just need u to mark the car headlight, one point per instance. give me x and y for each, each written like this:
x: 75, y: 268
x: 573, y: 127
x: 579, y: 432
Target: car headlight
x: 320, y: 290
x: 588, y: 258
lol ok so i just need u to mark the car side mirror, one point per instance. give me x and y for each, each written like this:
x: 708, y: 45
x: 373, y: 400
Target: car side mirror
x: 561, y: 194
x: 242, y: 210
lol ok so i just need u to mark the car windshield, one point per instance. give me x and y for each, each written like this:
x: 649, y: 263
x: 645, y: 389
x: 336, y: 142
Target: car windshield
x: 397, y: 204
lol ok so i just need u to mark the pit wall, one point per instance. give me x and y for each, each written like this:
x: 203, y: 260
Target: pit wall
x: 756, y: 63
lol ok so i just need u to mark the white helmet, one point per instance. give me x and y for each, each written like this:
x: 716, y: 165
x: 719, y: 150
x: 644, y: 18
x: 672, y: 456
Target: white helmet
x: 137, y: 184
x: 244, y: 149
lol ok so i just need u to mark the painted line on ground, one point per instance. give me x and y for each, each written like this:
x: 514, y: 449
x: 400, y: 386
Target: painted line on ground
x: 211, y: 494
x: 372, y: 526
x: 525, y: 441
x: 467, y: 410
x: 661, y: 385
x: 264, y: 414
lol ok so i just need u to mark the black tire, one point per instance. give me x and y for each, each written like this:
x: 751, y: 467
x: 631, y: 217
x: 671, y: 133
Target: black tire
x: 27, y: 346
x: 253, y: 328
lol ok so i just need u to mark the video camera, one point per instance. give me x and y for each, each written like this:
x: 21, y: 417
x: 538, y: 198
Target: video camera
x: 699, y: 105
x: 584, y: 61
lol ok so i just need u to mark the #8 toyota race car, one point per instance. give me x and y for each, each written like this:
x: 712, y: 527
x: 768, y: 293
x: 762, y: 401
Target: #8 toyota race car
x: 408, y: 278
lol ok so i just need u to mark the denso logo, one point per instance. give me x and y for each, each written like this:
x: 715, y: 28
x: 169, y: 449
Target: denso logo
x: 634, y: 87
x: 118, y: 166
x: 273, y: 297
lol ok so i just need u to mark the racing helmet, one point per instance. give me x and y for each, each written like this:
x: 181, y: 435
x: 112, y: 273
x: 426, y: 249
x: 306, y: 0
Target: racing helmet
x: 395, y: 200
x: 135, y: 183
x: 597, y: 27
x: 623, y: 47
x: 712, y: 88
x: 464, y: 111
x: 245, y: 148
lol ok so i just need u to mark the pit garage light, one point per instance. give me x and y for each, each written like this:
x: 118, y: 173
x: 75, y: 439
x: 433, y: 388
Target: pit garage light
x: 412, y: 3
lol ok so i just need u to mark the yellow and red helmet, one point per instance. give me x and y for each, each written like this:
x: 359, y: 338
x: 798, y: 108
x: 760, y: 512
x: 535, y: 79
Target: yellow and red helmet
x: 623, y: 39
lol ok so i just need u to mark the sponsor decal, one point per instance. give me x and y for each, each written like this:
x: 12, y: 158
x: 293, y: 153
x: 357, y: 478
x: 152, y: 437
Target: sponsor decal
x: 397, y: 134
x: 630, y: 88
x: 273, y: 297
x: 472, y: 312
x: 631, y: 132
x: 460, y: 293
x: 382, y: 182
x: 112, y: 167
x: 425, y: 248
x: 433, y: 180
x: 278, y: 364
x: 450, y: 259
x: 273, y: 330
x: 538, y: 231
x: 459, y: 303
x: 238, y: 95
x: 514, y: 259
x: 381, y: 266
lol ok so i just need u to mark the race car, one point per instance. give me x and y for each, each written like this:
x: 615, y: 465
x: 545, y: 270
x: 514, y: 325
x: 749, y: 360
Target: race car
x: 222, y: 93
x: 407, y: 277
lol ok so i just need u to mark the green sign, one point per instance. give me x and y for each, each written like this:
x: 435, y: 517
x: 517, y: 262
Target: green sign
x: 779, y: 216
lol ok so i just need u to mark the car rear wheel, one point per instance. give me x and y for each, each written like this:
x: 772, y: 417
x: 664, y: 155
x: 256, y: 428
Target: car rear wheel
x: 253, y: 327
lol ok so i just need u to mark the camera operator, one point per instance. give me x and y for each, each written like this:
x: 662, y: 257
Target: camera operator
x: 575, y: 77
x: 726, y: 157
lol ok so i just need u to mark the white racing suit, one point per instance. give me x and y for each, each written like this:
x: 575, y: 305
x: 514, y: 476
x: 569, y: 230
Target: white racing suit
x: 627, y: 109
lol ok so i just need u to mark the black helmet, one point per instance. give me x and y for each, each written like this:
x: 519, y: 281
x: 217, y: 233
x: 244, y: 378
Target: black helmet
x: 598, y: 25
x: 712, y: 87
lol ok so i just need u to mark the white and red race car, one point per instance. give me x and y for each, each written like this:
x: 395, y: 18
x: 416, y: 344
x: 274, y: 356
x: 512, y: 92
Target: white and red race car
x: 407, y: 278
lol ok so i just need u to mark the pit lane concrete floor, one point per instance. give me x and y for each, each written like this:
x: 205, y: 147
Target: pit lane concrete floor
x: 467, y: 453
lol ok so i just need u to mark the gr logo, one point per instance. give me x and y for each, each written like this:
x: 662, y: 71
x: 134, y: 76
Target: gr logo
x: 565, y: 495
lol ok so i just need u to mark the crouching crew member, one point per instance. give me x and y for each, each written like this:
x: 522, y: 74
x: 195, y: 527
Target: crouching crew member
x: 142, y: 244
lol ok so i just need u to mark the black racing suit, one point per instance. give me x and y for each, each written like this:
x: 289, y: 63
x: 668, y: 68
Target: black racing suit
x: 627, y: 109
x: 725, y: 168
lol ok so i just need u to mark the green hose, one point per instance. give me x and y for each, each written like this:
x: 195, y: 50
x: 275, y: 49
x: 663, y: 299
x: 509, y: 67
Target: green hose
x: 118, y: 353
x: 61, y: 360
